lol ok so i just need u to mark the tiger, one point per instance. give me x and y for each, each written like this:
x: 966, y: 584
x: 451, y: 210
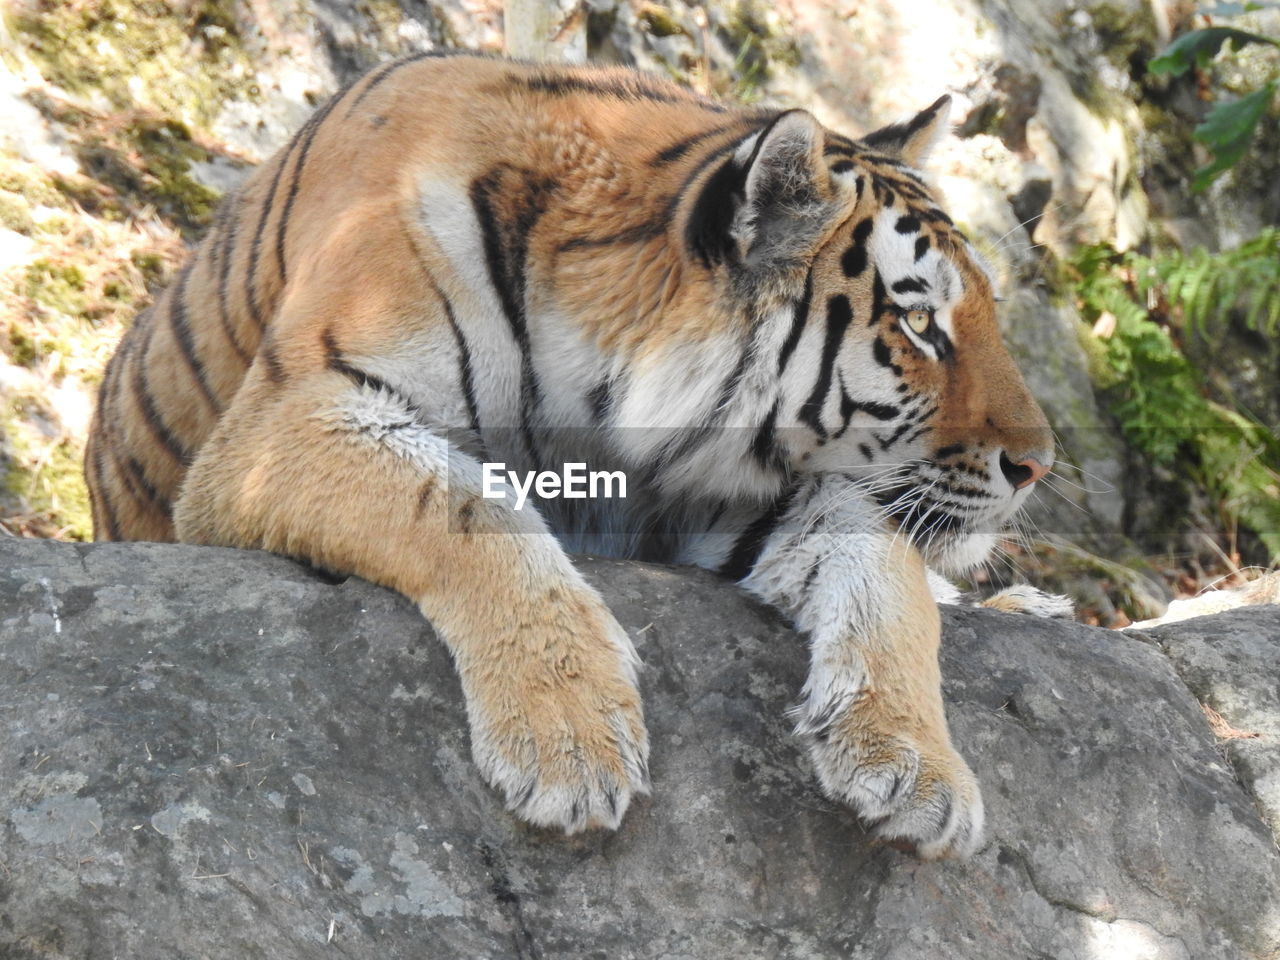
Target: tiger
x: 773, y: 328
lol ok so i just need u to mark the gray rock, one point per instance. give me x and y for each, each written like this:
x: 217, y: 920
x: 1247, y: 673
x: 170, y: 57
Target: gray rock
x: 215, y: 754
x: 1234, y: 668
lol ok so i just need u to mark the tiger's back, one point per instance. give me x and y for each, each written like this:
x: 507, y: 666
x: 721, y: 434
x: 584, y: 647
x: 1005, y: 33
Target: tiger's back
x: 339, y: 202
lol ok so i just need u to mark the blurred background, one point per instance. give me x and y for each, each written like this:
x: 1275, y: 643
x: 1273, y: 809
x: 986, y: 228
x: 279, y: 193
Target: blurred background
x: 1117, y: 162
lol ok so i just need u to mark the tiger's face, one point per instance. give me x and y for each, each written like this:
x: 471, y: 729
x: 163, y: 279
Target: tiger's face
x: 895, y: 367
x: 940, y: 424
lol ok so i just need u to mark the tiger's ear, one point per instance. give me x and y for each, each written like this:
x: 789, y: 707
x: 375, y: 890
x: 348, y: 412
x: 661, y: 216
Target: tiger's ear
x: 770, y: 202
x: 913, y: 140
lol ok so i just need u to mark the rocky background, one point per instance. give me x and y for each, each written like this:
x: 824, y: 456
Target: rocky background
x: 122, y: 122
x: 218, y: 754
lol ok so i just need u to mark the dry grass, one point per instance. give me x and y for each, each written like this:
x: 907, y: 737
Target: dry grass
x: 89, y: 266
x: 1222, y: 729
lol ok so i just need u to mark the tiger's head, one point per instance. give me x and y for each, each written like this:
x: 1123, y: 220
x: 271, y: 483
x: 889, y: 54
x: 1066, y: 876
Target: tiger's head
x: 891, y: 364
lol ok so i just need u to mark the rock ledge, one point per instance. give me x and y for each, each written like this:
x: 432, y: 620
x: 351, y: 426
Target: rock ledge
x: 215, y: 754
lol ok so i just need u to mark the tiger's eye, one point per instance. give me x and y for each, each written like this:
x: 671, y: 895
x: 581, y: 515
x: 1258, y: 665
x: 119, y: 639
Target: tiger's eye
x: 918, y: 320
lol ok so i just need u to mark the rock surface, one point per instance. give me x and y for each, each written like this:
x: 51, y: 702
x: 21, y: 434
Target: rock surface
x: 1232, y: 668
x: 207, y: 753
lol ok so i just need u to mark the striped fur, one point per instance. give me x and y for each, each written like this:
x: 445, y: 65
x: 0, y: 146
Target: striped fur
x: 774, y: 329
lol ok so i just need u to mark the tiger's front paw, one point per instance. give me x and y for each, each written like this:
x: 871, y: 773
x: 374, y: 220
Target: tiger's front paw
x: 1025, y: 599
x: 560, y: 729
x: 906, y: 780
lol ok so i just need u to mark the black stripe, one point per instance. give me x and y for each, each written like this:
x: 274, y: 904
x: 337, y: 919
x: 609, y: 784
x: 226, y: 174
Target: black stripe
x: 228, y: 223
x: 109, y: 392
x: 464, y: 362
x: 847, y: 407
x: 839, y: 316
x: 748, y: 547
x: 799, y: 318
x: 896, y: 135
x: 880, y: 303
x: 940, y: 342
x: 630, y: 91
x: 881, y: 411
x: 971, y: 493
x: 255, y: 247
x: 155, y: 422
x: 335, y: 361
x: 866, y: 452
x: 182, y: 334
x: 854, y: 260
x: 109, y: 414
x: 100, y: 491
x: 308, y: 134
x: 384, y: 72
x: 806, y: 588
x: 922, y: 246
x: 708, y: 229
x: 895, y: 436
x: 600, y: 399
x: 917, y: 433
x: 924, y: 414
x: 842, y: 166
x: 673, y: 201
x: 636, y: 234
x: 906, y: 173
x: 134, y: 469
x: 907, y: 224
x: 506, y: 248
x: 764, y: 445
x: 678, y: 149
x: 949, y: 451
x: 850, y: 406
x: 910, y: 285
x: 912, y: 188
x: 271, y: 360
x: 109, y: 389
x: 137, y: 491
x: 882, y: 160
x: 378, y: 75
x: 882, y: 190
x: 884, y: 356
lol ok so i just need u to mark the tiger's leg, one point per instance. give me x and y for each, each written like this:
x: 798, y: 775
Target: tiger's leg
x: 871, y: 710
x: 1019, y: 598
x: 344, y: 475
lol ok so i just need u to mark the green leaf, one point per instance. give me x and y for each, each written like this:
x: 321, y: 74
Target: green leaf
x: 1197, y: 48
x: 1227, y: 131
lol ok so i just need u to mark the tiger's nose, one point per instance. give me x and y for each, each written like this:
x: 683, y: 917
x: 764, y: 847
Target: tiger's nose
x: 1024, y: 472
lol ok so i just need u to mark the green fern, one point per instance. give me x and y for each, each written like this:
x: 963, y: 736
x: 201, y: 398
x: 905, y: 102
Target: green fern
x: 1207, y: 286
x: 1158, y: 396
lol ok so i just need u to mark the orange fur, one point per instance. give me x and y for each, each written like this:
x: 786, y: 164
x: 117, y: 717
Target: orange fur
x: 236, y: 410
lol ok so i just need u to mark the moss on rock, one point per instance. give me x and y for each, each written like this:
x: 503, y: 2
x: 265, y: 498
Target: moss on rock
x: 180, y: 59
x: 44, y: 474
